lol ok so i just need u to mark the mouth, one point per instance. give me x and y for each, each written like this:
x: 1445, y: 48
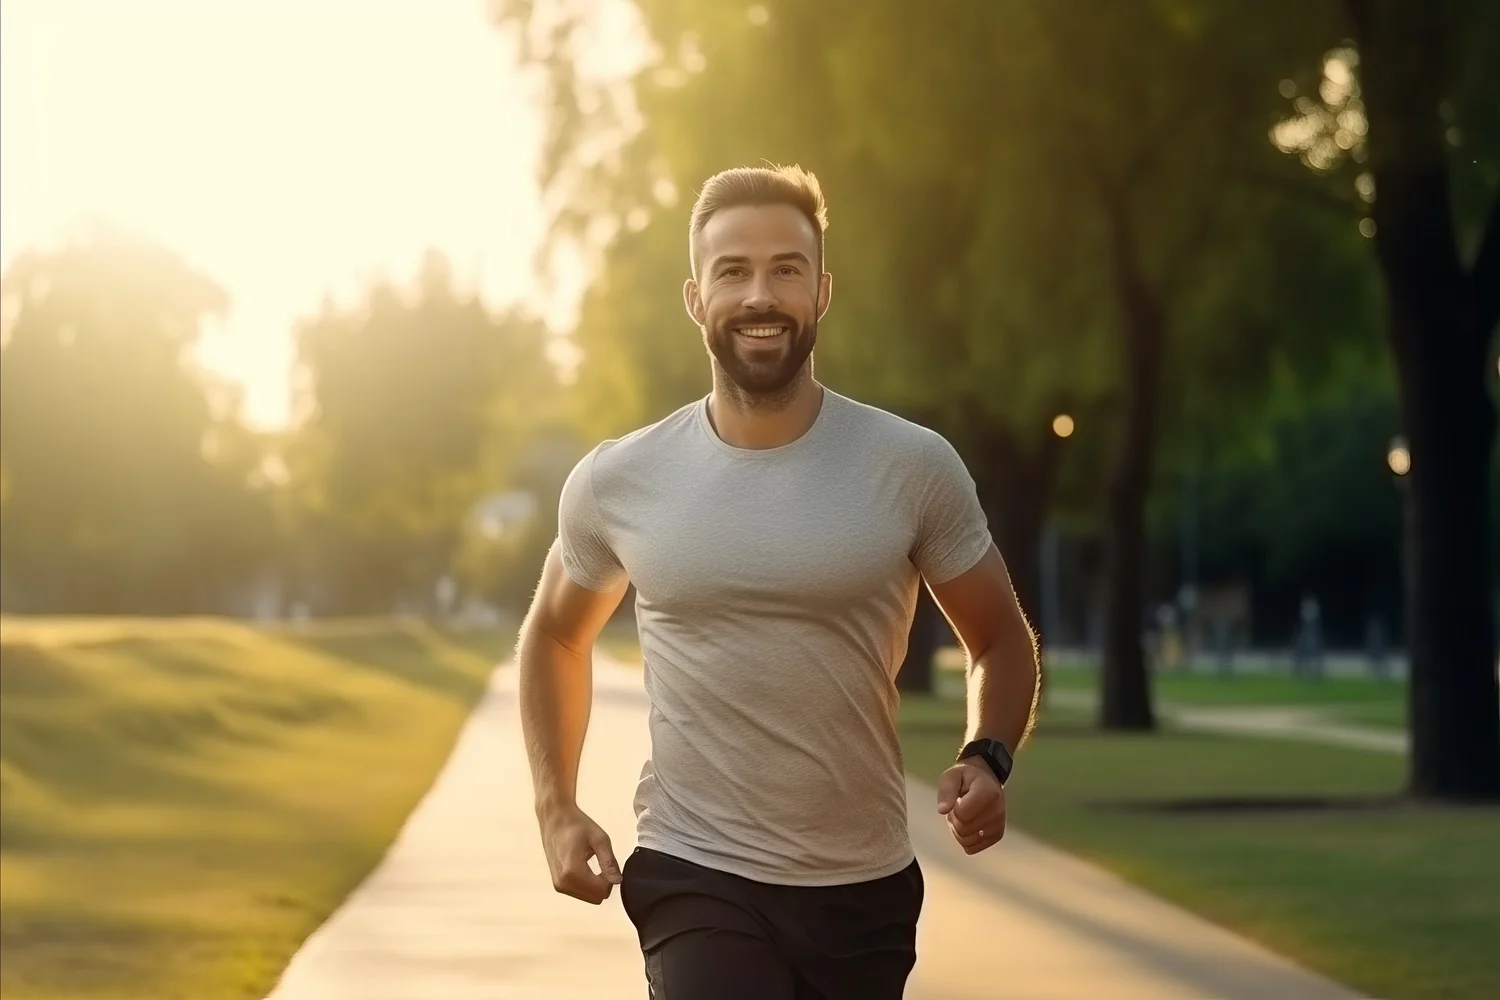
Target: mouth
x: 762, y: 334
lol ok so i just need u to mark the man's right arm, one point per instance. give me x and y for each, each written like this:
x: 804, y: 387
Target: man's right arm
x: 554, y: 656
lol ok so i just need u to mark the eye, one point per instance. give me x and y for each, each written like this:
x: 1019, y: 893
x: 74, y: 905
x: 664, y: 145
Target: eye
x: 787, y: 271
x: 731, y: 272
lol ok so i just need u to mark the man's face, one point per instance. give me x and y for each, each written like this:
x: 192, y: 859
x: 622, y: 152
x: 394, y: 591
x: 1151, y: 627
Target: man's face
x: 758, y: 295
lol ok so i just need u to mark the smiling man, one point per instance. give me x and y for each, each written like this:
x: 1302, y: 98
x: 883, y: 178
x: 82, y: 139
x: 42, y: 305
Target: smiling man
x: 777, y: 533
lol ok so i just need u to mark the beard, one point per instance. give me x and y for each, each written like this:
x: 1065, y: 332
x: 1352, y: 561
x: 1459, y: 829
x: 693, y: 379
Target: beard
x: 761, y: 371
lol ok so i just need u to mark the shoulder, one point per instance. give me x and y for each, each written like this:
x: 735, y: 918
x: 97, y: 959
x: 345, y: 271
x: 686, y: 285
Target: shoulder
x: 643, y: 447
x: 893, y: 434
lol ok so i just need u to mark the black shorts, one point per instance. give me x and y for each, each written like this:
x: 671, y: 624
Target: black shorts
x: 709, y: 935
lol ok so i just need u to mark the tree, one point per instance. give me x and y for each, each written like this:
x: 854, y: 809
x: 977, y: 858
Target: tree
x: 880, y: 340
x: 1412, y: 94
x: 126, y: 474
x: 418, y: 400
x: 1007, y: 231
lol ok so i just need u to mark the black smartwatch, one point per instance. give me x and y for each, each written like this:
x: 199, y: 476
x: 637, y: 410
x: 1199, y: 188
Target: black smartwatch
x: 993, y: 753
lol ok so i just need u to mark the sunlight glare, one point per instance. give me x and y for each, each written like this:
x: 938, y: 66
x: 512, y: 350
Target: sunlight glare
x: 282, y: 147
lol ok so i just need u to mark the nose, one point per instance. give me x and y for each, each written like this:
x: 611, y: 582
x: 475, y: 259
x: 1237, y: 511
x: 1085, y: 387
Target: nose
x: 758, y: 297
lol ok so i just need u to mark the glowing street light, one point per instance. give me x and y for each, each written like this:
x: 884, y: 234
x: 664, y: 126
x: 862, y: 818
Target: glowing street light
x: 1062, y: 425
x: 1399, y: 456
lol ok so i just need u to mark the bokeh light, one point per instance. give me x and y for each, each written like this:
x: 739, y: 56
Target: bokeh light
x: 1399, y: 457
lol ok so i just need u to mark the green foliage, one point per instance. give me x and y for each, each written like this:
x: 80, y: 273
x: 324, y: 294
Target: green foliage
x: 966, y: 224
x: 126, y: 475
x: 1003, y: 178
x: 418, y: 404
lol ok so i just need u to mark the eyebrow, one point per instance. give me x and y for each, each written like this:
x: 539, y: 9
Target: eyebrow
x: 793, y: 255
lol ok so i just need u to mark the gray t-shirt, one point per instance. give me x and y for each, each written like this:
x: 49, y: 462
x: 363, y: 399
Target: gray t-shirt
x: 774, y: 592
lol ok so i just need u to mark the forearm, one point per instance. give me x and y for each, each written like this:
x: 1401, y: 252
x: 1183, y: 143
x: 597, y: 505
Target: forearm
x: 556, y: 689
x: 1003, y: 688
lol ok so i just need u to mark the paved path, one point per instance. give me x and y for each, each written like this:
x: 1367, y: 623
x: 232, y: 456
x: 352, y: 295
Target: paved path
x: 461, y: 908
x: 1310, y: 725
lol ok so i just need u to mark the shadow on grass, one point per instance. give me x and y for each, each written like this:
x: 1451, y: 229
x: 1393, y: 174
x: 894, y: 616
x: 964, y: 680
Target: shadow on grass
x: 31, y: 671
x: 44, y: 946
x: 412, y: 654
x: 75, y: 722
x: 121, y: 760
x: 1271, y: 805
x: 493, y: 646
x: 1045, y: 730
x: 188, y: 659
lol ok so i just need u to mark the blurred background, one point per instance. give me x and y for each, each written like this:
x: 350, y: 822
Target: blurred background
x: 309, y: 309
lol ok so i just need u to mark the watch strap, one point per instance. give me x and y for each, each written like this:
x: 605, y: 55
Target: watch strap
x: 993, y: 753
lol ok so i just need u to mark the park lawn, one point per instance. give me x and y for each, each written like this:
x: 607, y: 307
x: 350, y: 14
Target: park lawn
x: 1251, y: 689
x: 620, y: 640
x: 1361, y: 701
x: 1400, y: 902
x: 183, y: 802
x: 1390, y: 715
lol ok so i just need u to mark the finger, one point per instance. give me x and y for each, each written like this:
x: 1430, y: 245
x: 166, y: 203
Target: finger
x: 950, y: 787
x: 963, y: 827
x: 967, y: 840
x: 978, y: 799
x: 991, y: 819
x: 582, y: 882
x: 984, y: 843
x: 609, y: 868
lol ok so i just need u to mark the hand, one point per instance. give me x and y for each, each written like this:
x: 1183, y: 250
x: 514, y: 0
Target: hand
x: 570, y: 839
x: 973, y: 799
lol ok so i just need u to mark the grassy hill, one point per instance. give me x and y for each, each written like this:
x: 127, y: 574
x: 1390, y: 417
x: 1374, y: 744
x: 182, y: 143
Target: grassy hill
x: 182, y: 802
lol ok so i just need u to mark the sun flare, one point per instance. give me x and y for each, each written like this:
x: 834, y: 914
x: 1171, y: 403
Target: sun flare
x: 283, y: 146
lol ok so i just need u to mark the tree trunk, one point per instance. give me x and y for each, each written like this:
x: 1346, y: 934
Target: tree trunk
x: 1439, y: 320
x: 1019, y: 538
x: 1450, y: 427
x: 1125, y: 702
x: 1015, y: 487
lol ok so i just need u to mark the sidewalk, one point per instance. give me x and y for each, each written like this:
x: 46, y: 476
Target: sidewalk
x: 1309, y: 724
x: 461, y: 907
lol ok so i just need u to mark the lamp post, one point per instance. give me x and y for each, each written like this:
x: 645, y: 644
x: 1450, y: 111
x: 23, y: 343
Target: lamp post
x: 1063, y: 426
x: 1398, y: 460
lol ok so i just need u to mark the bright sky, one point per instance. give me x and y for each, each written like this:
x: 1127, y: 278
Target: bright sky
x: 283, y: 146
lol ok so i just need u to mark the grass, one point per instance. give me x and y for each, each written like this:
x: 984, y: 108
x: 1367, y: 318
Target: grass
x: 1363, y: 701
x: 183, y: 802
x: 1258, y: 689
x: 1390, y: 715
x: 1397, y: 902
x: 620, y: 640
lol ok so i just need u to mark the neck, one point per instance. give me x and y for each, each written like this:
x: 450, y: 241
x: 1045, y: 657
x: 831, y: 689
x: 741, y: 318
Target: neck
x: 746, y: 420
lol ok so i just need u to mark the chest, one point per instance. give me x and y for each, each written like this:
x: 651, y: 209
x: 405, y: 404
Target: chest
x: 813, y: 541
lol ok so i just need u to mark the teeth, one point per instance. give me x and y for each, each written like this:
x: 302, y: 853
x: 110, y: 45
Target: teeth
x: 760, y: 331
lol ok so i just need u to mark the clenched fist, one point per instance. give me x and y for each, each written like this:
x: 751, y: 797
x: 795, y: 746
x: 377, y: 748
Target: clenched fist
x: 570, y: 839
x: 973, y: 799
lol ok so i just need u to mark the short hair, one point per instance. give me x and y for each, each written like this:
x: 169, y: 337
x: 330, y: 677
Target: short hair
x: 769, y: 185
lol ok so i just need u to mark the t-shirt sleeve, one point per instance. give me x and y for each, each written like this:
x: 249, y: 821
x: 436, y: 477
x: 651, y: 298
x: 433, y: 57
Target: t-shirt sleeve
x: 582, y: 534
x: 953, y: 532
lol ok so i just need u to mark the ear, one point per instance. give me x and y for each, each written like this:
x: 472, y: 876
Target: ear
x: 693, y: 301
x: 825, y: 294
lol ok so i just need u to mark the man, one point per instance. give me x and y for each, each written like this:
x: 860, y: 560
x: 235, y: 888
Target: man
x: 776, y: 533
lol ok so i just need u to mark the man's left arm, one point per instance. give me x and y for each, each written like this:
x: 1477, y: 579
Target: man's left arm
x: 971, y: 585
x: 1002, y: 670
x: 1002, y: 692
